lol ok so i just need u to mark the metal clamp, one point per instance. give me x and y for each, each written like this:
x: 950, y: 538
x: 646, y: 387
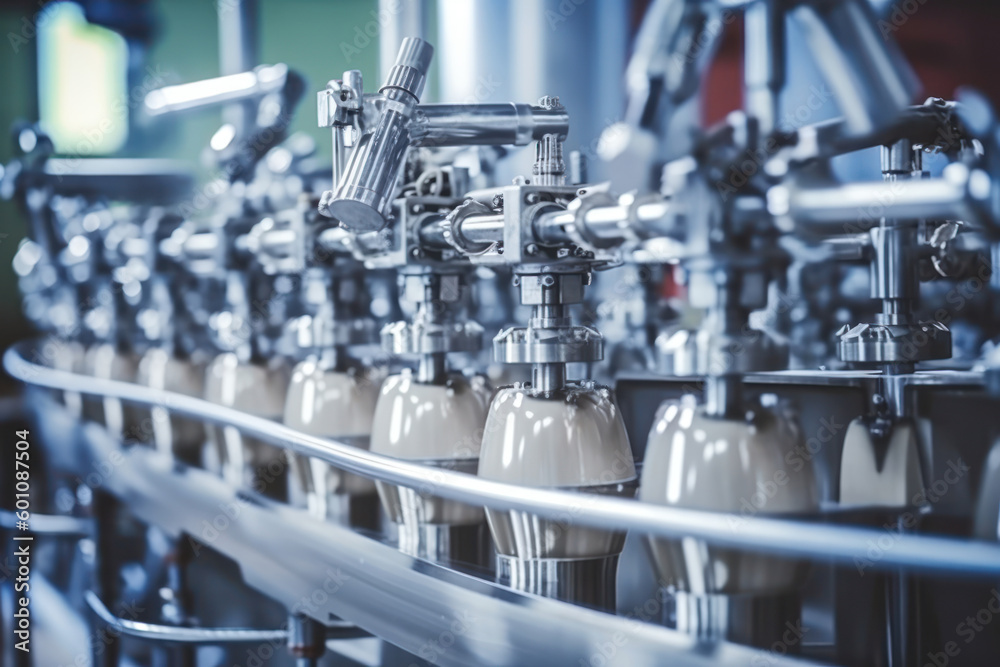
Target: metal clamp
x: 894, y: 343
x: 430, y: 338
x: 565, y: 345
x: 578, y: 231
x: 452, y: 228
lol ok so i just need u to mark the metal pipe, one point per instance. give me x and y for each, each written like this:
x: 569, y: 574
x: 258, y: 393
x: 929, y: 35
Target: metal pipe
x: 208, y: 93
x: 174, y: 634
x: 485, y: 124
x: 867, y: 73
x: 179, y: 635
x: 608, y: 223
x: 432, y: 368
x: 764, y: 62
x: 364, y: 194
x: 547, y: 378
x: 397, y: 21
x: 238, y: 53
x: 781, y: 536
x: 849, y: 208
x: 482, y: 229
x: 474, y: 229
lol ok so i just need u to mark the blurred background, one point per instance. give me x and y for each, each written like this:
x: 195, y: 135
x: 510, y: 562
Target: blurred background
x: 83, y: 69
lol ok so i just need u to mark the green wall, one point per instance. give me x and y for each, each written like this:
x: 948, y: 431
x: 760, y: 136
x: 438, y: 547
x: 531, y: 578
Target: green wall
x: 308, y: 35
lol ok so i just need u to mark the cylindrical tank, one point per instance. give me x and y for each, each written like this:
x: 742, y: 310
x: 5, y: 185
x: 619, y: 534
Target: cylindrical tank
x: 258, y: 390
x: 339, y: 405
x: 575, y: 440
x: 172, y: 433
x: 65, y: 355
x: 105, y: 361
x: 441, y: 426
x: 697, y: 461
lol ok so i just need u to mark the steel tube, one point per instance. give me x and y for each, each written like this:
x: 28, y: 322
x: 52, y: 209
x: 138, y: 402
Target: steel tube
x: 208, y: 93
x: 867, y: 73
x: 610, y: 223
x: 771, y: 535
x: 849, y: 208
x: 484, y: 124
x: 180, y: 635
x: 238, y: 53
x: 474, y: 229
x: 364, y: 193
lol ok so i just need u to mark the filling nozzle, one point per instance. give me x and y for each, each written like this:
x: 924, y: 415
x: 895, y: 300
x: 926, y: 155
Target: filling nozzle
x: 550, y: 341
x: 437, y: 327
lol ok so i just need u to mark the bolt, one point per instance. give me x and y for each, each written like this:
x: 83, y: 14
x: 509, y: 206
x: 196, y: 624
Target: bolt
x: 562, y: 253
x: 498, y: 201
x: 531, y: 249
x: 417, y: 208
x: 548, y: 280
x: 532, y: 198
x: 517, y: 281
x: 549, y: 102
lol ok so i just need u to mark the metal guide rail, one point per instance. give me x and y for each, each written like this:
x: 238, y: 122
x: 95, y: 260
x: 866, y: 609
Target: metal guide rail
x: 790, y: 537
x: 402, y: 600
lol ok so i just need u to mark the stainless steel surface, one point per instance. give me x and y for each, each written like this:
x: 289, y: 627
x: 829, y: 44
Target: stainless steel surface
x: 959, y: 194
x: 446, y: 543
x: 589, y: 582
x: 894, y: 343
x: 552, y: 346
x: 243, y: 86
x: 439, y: 125
x: 238, y: 52
x: 361, y: 200
x: 866, y: 72
x: 180, y: 635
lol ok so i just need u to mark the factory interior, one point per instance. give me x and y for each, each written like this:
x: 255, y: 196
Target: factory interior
x: 505, y: 333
